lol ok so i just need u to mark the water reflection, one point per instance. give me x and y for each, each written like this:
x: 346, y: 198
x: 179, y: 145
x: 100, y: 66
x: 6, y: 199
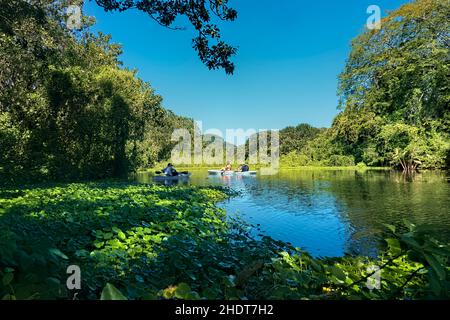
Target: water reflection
x: 331, y: 213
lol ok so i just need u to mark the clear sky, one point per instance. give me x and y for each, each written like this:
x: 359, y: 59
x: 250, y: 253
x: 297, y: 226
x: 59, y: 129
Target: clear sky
x: 290, y: 53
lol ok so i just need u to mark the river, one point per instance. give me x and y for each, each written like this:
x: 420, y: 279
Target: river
x: 335, y: 212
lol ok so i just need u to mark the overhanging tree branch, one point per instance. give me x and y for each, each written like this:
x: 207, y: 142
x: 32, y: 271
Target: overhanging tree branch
x: 213, y: 52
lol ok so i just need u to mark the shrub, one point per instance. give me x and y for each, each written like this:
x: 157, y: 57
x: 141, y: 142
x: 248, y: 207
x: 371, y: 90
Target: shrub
x: 294, y: 159
x: 340, y: 161
x: 361, y: 165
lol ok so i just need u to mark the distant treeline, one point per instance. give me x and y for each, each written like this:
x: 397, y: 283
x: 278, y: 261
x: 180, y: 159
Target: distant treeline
x: 68, y: 110
x: 394, y: 98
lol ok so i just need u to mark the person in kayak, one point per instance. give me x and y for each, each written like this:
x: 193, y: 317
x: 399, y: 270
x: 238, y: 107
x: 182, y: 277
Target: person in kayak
x: 170, y: 171
x: 244, y: 168
x: 228, y: 167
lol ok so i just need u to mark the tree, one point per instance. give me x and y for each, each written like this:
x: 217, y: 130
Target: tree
x: 199, y: 13
x: 401, y: 71
x: 296, y: 138
x: 401, y: 146
x: 398, y: 74
x: 67, y: 108
x: 411, y: 147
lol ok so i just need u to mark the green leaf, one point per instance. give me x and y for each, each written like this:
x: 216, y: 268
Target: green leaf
x: 192, y: 295
x: 183, y: 289
x: 107, y: 235
x: 53, y: 281
x: 394, y: 246
x: 338, y: 273
x: 98, y: 244
x: 317, y: 267
x: 409, y: 224
x: 111, y: 293
x: 7, y: 278
x: 411, y: 242
x: 390, y: 227
x: 82, y: 253
x: 116, y: 230
x: 121, y: 235
x: 150, y: 296
x: 435, y: 284
x: 210, y: 293
x: 58, y: 253
x: 437, y: 266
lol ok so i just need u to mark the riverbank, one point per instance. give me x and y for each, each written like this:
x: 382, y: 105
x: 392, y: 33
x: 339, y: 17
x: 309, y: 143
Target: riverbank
x: 259, y: 167
x: 154, y: 242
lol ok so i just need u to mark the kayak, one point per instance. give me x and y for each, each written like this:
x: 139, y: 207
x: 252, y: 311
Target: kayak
x: 246, y: 173
x: 231, y: 173
x: 172, y: 178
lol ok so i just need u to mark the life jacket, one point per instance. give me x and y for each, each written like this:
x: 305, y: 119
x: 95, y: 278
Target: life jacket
x: 167, y: 171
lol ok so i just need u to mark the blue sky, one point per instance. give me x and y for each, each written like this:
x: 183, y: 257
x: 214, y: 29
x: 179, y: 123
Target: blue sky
x: 290, y: 53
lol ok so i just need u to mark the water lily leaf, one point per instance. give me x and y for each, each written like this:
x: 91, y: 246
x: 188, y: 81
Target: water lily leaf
x: 192, y: 295
x: 121, y: 235
x: 108, y: 235
x: 98, y: 244
x: 116, y: 230
x: 183, y: 289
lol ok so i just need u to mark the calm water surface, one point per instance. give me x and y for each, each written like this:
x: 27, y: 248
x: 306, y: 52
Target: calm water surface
x: 330, y: 213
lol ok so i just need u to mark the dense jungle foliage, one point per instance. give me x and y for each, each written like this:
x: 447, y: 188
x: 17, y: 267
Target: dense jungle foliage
x: 395, y: 90
x: 68, y: 110
x: 394, y: 96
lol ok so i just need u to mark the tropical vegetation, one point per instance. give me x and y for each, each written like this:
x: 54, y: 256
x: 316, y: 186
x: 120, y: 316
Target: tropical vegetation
x: 69, y: 111
x: 394, y: 97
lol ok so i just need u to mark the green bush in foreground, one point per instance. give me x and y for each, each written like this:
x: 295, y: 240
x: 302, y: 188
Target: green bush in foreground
x: 150, y: 242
